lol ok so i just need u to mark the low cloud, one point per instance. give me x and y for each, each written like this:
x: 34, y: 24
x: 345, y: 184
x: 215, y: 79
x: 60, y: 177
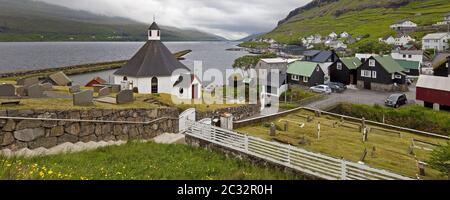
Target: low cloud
x: 232, y: 19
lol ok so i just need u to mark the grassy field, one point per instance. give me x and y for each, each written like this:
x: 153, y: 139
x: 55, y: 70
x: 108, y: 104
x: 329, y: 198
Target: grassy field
x: 391, y: 150
x: 138, y: 161
x: 373, y: 21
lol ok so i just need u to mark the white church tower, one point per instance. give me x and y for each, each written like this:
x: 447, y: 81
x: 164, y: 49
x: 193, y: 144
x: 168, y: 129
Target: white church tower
x: 154, y: 33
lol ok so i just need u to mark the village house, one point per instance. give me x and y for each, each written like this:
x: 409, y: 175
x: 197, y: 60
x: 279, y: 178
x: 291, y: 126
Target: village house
x: 364, y: 56
x: 433, y: 92
x: 344, y: 70
x: 441, y: 64
x: 323, y: 58
x: 270, y: 84
x: 96, y: 81
x: 381, y: 73
x: 154, y: 69
x: 336, y: 44
x: 403, y: 25
x: 332, y: 36
x: 400, y: 40
x: 304, y: 73
x: 409, y: 55
x: 412, y: 68
x: 436, y: 41
x: 445, y: 22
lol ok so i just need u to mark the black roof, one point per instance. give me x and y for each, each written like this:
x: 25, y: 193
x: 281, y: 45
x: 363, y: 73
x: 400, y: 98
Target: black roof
x: 311, y: 53
x: 153, y: 59
x: 154, y: 26
x: 322, y: 57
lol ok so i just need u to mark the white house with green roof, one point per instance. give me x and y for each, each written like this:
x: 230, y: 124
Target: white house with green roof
x: 381, y: 73
x: 412, y: 68
x: 304, y: 73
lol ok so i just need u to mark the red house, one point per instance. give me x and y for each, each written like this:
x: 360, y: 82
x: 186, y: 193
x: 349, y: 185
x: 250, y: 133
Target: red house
x: 434, y: 92
x: 96, y: 81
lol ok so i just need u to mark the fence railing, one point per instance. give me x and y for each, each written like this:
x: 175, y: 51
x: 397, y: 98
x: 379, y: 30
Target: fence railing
x: 310, y: 163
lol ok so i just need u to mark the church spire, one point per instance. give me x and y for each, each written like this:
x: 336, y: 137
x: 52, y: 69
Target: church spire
x: 154, y: 32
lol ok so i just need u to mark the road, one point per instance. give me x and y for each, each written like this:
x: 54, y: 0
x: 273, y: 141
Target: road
x: 359, y: 96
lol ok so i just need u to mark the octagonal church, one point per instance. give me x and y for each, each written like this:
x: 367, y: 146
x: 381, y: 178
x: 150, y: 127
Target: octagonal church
x: 154, y: 69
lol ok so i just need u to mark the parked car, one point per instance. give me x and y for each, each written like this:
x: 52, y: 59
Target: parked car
x: 396, y: 100
x: 337, y: 87
x: 321, y: 89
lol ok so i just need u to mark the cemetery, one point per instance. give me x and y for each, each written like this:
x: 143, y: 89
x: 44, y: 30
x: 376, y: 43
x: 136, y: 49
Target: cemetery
x: 401, y: 152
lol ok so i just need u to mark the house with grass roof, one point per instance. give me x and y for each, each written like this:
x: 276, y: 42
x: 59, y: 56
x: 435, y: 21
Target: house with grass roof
x: 304, y: 73
x: 344, y: 70
x: 412, y: 68
x: 381, y: 73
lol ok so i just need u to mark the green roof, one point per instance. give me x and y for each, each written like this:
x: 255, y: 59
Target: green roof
x: 351, y: 63
x: 302, y: 68
x: 406, y: 64
x: 389, y: 64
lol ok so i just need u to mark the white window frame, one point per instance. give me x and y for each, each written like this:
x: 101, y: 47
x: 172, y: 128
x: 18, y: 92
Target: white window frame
x: 295, y: 77
x: 398, y: 76
x: 305, y: 79
x: 374, y: 74
x: 339, y: 66
x: 366, y: 73
x: 372, y: 63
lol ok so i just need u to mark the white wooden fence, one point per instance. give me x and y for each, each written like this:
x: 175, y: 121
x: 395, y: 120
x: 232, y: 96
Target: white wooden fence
x: 314, y: 164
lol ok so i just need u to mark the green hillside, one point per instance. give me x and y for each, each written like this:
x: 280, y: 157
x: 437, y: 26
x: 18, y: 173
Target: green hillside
x: 358, y: 17
x: 26, y: 20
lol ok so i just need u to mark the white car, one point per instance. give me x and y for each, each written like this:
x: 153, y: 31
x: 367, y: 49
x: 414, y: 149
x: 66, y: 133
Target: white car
x: 321, y: 89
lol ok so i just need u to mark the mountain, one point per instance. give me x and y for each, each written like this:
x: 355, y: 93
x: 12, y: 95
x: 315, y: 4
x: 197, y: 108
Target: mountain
x: 358, y: 17
x: 250, y: 37
x: 27, y: 20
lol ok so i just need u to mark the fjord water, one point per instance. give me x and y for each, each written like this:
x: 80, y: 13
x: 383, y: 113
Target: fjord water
x: 38, y: 55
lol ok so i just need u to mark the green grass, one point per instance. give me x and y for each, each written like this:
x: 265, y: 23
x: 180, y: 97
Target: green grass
x: 346, y: 141
x: 415, y: 117
x: 373, y: 21
x: 254, y: 44
x: 138, y: 161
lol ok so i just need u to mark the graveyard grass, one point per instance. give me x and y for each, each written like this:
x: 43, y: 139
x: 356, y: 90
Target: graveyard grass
x: 138, y: 161
x: 391, y: 151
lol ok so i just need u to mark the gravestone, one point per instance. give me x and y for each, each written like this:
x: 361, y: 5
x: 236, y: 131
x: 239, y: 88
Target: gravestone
x: 75, y: 89
x: 47, y: 86
x: 365, y: 134
x: 105, y: 91
x: 125, y: 96
x: 35, y: 91
x: 98, y: 87
x: 286, y: 126
x: 310, y: 118
x: 7, y: 90
x: 303, y: 141
x: 421, y: 167
x: 28, y: 81
x: 373, y: 154
x: 318, y: 130
x: 273, y: 130
x: 115, y: 88
x: 411, y: 150
x: 363, y: 124
x: 21, y: 91
x: 318, y: 113
x: 83, y: 98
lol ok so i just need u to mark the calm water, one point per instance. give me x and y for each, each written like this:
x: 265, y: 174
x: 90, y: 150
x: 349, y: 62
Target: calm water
x: 38, y: 55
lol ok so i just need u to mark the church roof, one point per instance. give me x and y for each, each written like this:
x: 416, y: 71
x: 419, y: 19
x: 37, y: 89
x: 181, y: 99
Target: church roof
x: 153, y: 59
x: 154, y: 26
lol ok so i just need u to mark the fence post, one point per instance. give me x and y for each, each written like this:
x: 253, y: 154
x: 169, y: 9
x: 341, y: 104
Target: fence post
x: 343, y: 170
x: 289, y: 155
x: 246, y: 142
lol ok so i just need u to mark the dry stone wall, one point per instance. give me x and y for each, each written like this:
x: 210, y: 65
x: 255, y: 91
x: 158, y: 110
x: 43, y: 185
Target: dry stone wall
x: 105, y: 125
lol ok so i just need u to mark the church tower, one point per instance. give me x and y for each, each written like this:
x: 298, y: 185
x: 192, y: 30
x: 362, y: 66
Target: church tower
x: 154, y: 32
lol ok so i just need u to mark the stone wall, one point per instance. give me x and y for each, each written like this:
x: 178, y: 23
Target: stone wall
x: 239, y: 112
x: 384, y: 87
x: 81, y: 125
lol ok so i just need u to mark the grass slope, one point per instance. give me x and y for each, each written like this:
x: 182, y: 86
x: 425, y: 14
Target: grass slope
x: 138, y: 161
x: 357, y: 19
x: 25, y: 20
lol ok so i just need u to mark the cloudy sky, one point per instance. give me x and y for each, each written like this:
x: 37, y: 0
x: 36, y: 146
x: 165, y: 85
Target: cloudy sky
x: 232, y: 19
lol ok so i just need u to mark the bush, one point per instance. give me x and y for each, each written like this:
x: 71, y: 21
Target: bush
x: 440, y: 159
